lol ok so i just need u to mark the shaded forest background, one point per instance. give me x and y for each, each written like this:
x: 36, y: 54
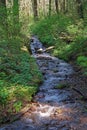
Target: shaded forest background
x: 59, y: 23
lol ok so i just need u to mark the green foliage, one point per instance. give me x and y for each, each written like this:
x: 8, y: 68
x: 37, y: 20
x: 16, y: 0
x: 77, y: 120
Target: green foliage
x: 75, y: 49
x: 56, y: 30
x: 4, y: 95
x: 18, y: 69
x: 75, y: 44
x: 17, y: 106
x: 19, y: 76
x: 82, y: 61
x: 69, y: 36
x: 24, y: 93
x: 48, y: 29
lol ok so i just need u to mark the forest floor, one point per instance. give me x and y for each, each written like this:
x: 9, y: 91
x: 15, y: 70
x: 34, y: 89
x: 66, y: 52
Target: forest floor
x: 78, y: 82
x: 60, y: 103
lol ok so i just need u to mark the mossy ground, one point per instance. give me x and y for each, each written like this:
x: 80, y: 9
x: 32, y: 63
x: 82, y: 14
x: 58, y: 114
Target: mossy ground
x: 69, y: 36
x: 19, y: 77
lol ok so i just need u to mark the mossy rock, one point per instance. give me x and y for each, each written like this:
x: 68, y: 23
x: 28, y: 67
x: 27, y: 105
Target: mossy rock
x: 62, y: 86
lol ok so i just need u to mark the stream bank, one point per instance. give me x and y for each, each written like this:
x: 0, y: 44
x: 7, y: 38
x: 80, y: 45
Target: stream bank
x: 52, y: 108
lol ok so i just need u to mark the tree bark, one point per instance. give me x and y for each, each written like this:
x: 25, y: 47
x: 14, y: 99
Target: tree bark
x: 3, y: 11
x: 80, y: 8
x: 50, y: 1
x: 64, y: 6
x: 16, y: 17
x: 44, y: 8
x: 67, y: 6
x: 3, y: 16
x: 56, y: 5
x: 35, y: 12
x: 3, y: 3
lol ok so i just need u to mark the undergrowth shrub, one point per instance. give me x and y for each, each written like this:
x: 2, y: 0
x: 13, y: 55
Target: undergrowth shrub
x: 19, y: 77
x: 48, y: 29
x: 82, y: 61
x: 67, y: 35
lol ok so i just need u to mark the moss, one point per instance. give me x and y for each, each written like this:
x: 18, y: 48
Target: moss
x: 19, y: 78
x: 62, y: 86
x: 68, y: 36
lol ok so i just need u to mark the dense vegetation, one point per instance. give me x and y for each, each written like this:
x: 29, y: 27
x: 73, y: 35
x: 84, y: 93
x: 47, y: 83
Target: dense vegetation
x: 69, y: 36
x: 19, y: 74
x: 19, y: 77
x: 59, y: 23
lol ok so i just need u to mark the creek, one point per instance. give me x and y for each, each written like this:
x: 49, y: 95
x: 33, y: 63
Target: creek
x: 53, y: 108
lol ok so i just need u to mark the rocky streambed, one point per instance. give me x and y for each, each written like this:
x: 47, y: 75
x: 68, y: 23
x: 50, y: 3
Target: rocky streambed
x: 52, y: 108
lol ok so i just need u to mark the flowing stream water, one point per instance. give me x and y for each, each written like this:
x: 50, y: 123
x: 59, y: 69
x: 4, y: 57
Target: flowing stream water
x: 53, y: 109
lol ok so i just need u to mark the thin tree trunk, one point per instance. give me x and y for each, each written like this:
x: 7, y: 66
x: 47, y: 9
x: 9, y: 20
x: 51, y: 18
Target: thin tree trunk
x: 16, y: 11
x: 67, y: 6
x: 3, y: 3
x: 64, y: 6
x: 80, y: 8
x: 3, y: 11
x: 50, y: 1
x: 44, y: 7
x: 35, y: 12
x: 56, y: 5
x: 16, y: 16
x: 3, y: 16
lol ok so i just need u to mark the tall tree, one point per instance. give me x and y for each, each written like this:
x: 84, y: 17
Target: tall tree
x: 3, y: 2
x: 34, y: 5
x: 67, y: 6
x: 50, y: 1
x: 3, y: 16
x: 56, y: 5
x: 44, y: 7
x: 80, y: 8
x: 16, y: 16
x: 64, y: 6
x: 3, y: 11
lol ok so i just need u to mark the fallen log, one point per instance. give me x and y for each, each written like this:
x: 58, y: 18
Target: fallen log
x: 47, y: 49
x: 50, y: 48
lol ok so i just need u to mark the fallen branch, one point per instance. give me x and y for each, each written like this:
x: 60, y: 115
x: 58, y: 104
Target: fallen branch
x: 78, y: 91
x: 50, y: 48
x: 47, y: 49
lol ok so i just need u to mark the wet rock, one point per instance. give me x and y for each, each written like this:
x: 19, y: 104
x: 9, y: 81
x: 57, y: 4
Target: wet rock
x: 52, y: 128
x: 29, y: 128
x: 74, y: 126
x: 33, y: 108
x: 54, y: 109
x: 28, y: 121
x: 54, y: 122
x: 57, y: 127
x: 65, y: 128
x: 45, y: 122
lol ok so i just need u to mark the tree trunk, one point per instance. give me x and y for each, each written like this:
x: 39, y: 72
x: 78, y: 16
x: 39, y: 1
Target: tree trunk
x: 3, y: 11
x: 64, y: 6
x: 67, y: 6
x: 50, y: 1
x: 16, y: 17
x: 3, y: 3
x: 3, y: 16
x: 44, y: 8
x: 80, y: 8
x: 35, y: 12
x: 56, y: 5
